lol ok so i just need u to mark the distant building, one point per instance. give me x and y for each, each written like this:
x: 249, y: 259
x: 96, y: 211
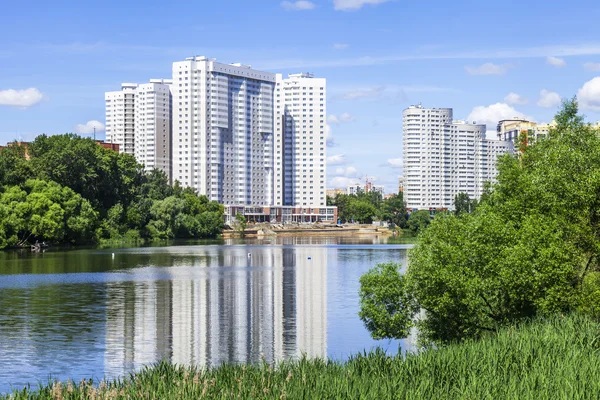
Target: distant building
x: 401, y: 184
x: 120, y: 117
x: 512, y: 129
x: 367, y: 188
x: 109, y: 146
x: 443, y: 157
x: 335, y: 192
x: 139, y: 121
x: 354, y: 189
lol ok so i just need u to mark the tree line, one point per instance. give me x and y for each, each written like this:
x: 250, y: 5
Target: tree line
x: 530, y: 248
x: 365, y: 207
x: 68, y: 189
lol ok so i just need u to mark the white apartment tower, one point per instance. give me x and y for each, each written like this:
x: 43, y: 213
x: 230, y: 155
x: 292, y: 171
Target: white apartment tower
x: 443, y: 157
x: 300, y: 149
x: 120, y: 115
x: 138, y: 119
x: 223, y: 130
x: 153, y: 125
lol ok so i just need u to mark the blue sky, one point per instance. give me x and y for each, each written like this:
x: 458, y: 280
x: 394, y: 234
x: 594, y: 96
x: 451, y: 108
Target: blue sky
x: 487, y: 60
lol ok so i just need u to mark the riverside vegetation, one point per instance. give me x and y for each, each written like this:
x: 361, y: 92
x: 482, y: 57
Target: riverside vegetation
x: 531, y: 248
x: 68, y: 189
x: 554, y: 358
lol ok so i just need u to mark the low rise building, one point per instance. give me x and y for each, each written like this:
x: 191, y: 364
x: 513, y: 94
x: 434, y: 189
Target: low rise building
x: 282, y: 214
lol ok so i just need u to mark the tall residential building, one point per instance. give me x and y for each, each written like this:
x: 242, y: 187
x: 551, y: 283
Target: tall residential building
x: 138, y: 119
x: 120, y: 116
x: 223, y: 130
x: 152, y: 125
x: 300, y: 147
x: 443, y: 157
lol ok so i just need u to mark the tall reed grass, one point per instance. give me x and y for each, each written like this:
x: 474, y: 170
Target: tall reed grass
x: 555, y: 358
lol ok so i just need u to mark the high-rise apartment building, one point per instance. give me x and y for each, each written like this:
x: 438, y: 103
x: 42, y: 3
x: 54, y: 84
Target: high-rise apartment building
x: 138, y: 119
x: 120, y: 116
x: 223, y: 130
x: 152, y: 125
x: 300, y: 147
x: 443, y: 157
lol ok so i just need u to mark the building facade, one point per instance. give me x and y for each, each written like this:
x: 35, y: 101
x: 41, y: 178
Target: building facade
x: 120, y: 117
x: 511, y: 130
x: 223, y: 130
x: 152, y: 125
x: 300, y: 116
x: 138, y: 120
x: 443, y: 157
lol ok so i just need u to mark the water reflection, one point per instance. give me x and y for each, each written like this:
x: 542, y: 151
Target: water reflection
x: 84, y: 313
x: 226, y: 306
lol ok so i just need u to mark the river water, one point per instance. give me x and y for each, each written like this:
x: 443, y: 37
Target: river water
x: 102, y: 313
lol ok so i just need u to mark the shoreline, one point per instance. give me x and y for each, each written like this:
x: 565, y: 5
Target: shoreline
x: 333, y: 230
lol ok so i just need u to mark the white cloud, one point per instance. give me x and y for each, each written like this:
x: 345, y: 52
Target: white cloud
x: 341, y: 46
x: 301, y: 5
x: 353, y: 5
x: 20, y: 98
x: 329, y: 136
x: 341, y: 182
x: 548, y: 99
x: 88, y: 127
x: 395, y: 162
x: 334, y: 119
x: 555, y: 61
x: 590, y: 66
x: 369, y: 93
x: 589, y: 95
x: 493, y: 113
x: 514, y: 99
x: 489, y: 69
x: 337, y: 159
x: 348, y: 172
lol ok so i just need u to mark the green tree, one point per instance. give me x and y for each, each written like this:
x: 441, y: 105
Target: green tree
x: 14, y: 167
x: 393, y: 210
x: 529, y: 249
x: 361, y: 211
x: 419, y: 220
x: 45, y: 211
x: 240, y: 224
x: 464, y: 204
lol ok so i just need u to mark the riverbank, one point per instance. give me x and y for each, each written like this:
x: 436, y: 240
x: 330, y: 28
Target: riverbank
x: 548, y: 359
x: 317, y: 229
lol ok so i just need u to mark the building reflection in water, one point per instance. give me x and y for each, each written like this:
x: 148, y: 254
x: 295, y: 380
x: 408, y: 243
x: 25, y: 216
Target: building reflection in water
x: 220, y: 304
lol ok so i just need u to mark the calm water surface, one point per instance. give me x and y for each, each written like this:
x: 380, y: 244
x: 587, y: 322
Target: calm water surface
x: 88, y: 313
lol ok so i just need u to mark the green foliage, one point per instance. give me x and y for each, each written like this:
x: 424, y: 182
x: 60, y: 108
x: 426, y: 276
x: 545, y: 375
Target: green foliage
x: 72, y: 190
x: 14, y: 168
x: 530, y: 248
x: 366, y: 207
x: 393, y: 210
x: 554, y: 358
x: 240, y: 223
x: 382, y: 313
x: 464, y: 204
x: 419, y: 220
x: 44, y: 211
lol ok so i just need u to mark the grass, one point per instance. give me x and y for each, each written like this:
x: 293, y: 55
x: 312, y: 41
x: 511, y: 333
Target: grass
x: 557, y: 358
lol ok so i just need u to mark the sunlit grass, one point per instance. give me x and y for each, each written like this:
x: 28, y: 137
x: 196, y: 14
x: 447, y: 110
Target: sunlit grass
x: 557, y: 358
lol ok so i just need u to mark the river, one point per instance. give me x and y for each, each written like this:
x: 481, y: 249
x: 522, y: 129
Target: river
x: 102, y: 313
